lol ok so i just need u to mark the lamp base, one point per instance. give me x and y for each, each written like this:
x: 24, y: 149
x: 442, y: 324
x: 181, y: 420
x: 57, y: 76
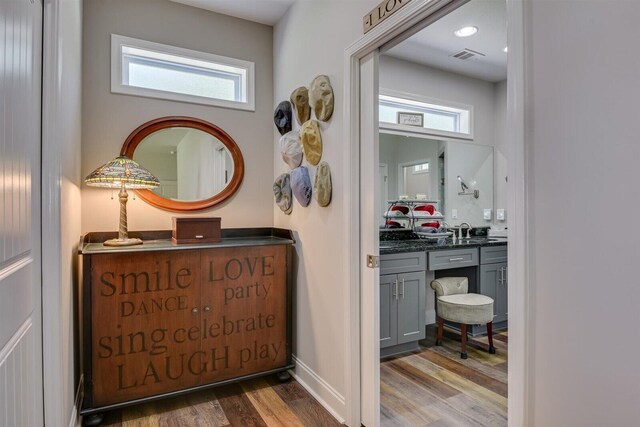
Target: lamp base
x: 123, y: 242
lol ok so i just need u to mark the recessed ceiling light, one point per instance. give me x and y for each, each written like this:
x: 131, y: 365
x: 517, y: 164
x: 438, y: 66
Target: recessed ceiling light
x: 466, y: 31
x: 506, y: 49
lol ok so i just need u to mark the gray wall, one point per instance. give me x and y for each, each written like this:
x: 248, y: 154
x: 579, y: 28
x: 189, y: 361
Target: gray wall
x: 396, y: 149
x: 488, y: 99
x: 109, y: 118
x: 582, y: 156
x: 500, y: 152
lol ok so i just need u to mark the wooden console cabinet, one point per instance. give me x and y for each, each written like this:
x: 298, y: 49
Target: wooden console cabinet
x: 162, y: 319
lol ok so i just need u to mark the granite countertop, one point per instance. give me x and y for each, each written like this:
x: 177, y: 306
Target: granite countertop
x: 397, y: 246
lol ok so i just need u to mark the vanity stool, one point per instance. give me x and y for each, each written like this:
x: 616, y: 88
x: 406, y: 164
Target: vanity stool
x: 455, y: 304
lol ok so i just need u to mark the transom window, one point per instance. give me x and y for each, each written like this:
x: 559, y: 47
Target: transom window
x: 143, y: 68
x: 438, y: 118
x: 421, y: 168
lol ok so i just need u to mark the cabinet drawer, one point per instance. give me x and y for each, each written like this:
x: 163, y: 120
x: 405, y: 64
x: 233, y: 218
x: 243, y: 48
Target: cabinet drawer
x: 493, y: 254
x: 401, y: 263
x: 441, y: 260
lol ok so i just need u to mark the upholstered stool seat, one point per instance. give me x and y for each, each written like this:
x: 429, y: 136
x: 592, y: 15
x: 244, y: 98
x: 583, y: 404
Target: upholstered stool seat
x: 456, y: 305
x: 470, y: 309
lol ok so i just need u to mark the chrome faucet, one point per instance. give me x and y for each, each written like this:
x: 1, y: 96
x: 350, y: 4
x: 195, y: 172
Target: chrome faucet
x: 468, y: 230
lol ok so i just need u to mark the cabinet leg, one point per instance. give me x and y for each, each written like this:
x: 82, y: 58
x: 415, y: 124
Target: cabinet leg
x: 93, y: 419
x: 463, y: 341
x: 492, y: 349
x: 283, y: 376
x: 439, y: 336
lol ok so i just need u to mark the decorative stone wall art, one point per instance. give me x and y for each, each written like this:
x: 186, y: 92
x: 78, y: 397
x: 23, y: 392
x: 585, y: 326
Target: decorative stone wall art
x: 322, y: 184
x: 291, y: 149
x: 301, y: 185
x: 282, y: 117
x: 321, y: 98
x: 311, y: 140
x: 300, y: 102
x: 282, y: 193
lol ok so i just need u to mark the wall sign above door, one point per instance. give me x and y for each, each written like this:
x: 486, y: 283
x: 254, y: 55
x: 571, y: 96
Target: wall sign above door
x: 382, y: 12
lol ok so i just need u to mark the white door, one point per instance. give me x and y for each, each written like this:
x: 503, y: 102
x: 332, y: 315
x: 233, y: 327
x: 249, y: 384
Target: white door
x: 369, y: 241
x: 20, y: 235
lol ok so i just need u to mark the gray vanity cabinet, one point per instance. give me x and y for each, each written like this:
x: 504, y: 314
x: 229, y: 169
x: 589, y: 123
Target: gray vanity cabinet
x: 493, y: 283
x: 388, y: 311
x: 402, y: 301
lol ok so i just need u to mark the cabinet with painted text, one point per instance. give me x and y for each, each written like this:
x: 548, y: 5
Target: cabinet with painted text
x: 162, y: 319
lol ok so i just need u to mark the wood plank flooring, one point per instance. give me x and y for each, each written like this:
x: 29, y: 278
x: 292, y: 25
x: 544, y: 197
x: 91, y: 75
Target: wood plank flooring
x: 434, y: 387
x: 256, y: 403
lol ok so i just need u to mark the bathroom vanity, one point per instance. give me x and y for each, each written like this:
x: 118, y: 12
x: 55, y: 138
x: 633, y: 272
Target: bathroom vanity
x: 407, y: 267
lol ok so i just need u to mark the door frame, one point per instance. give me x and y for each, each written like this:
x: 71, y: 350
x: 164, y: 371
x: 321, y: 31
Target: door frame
x: 405, y: 22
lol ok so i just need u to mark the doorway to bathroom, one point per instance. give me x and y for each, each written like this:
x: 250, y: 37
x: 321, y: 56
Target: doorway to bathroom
x: 478, y: 196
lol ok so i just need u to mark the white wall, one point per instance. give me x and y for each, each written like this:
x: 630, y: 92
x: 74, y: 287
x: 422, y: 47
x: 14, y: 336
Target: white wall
x: 109, y: 118
x: 62, y: 114
x: 310, y: 40
x: 582, y: 156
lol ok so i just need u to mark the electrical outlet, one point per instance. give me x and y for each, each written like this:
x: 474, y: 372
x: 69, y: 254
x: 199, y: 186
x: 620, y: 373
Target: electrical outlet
x: 500, y: 214
x: 487, y: 214
x: 454, y: 213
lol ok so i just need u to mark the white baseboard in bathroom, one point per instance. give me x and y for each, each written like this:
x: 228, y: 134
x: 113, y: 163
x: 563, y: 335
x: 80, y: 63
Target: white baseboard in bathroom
x: 321, y: 390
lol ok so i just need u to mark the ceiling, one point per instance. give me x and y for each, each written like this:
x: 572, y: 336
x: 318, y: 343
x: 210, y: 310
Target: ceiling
x: 263, y: 11
x: 435, y: 44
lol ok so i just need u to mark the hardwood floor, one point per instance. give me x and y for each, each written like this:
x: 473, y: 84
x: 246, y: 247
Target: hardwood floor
x: 434, y: 387
x: 260, y: 402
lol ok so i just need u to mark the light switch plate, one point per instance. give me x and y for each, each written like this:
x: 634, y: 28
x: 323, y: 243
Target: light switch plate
x: 500, y: 214
x: 454, y: 213
x: 487, y: 214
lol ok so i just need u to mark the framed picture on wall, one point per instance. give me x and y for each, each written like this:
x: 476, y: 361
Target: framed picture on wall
x: 411, y: 119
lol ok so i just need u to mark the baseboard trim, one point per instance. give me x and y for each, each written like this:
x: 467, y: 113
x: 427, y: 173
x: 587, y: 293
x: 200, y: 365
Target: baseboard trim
x: 76, y: 418
x: 321, y: 390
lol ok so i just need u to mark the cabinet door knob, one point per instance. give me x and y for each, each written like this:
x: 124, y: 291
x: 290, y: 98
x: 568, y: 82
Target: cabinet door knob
x: 207, y: 308
x: 194, y: 310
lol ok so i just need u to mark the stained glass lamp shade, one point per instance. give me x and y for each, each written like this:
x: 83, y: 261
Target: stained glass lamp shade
x: 122, y: 173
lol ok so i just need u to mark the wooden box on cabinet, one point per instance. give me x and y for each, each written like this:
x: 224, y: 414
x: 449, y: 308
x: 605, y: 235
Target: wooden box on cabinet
x: 196, y: 230
x: 160, y: 320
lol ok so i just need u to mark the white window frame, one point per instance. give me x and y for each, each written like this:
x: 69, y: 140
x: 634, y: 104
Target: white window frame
x: 411, y: 98
x: 118, y: 41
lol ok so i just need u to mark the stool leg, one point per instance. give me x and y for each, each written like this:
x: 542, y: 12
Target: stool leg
x: 492, y: 349
x: 463, y: 341
x: 439, y: 336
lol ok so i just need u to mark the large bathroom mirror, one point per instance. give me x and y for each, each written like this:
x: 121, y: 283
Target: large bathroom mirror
x: 424, y: 168
x: 198, y: 164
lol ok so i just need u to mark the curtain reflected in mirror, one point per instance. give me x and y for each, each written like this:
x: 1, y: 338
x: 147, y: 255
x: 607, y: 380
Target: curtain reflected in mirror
x: 190, y: 163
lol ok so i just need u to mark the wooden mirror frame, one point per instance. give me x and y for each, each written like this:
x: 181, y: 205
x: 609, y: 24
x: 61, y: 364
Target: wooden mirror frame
x: 143, y: 131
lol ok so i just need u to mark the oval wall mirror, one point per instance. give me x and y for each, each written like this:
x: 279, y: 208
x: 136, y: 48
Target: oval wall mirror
x: 198, y: 164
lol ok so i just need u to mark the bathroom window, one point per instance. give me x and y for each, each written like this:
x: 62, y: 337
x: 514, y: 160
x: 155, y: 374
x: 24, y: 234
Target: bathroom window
x: 440, y: 118
x: 421, y: 168
x: 143, y: 68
